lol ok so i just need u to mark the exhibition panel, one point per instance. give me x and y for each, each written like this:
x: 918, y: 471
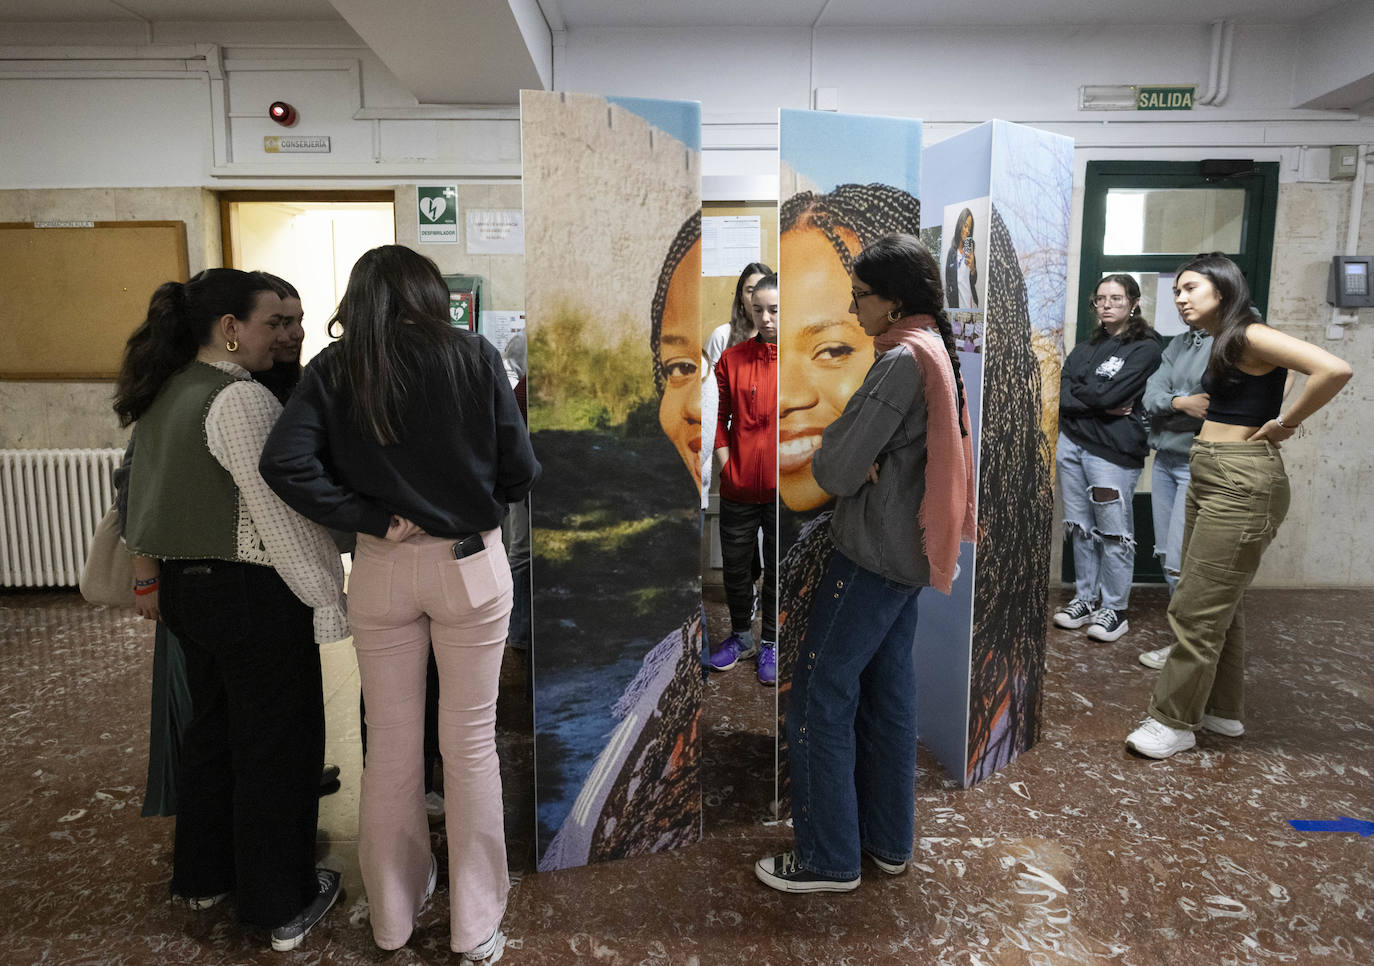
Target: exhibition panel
x: 612, y: 265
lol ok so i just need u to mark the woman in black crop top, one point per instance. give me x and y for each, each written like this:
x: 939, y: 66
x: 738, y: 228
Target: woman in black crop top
x: 1237, y: 497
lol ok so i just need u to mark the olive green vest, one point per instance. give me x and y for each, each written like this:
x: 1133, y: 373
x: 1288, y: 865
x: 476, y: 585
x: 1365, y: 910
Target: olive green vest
x: 182, y: 503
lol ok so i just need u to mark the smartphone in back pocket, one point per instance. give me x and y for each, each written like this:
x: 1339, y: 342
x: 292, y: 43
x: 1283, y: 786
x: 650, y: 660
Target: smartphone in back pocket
x: 468, y: 546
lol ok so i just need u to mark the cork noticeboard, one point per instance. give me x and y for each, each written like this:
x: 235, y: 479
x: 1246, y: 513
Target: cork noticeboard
x: 71, y: 293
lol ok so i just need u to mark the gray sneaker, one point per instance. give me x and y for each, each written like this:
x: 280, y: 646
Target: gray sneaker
x: 293, y: 933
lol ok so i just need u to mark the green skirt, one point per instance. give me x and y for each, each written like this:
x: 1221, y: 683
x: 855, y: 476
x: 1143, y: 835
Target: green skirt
x: 171, y: 713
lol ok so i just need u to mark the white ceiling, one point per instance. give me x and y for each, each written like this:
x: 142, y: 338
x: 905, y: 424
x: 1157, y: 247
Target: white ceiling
x: 164, y: 11
x: 923, y: 13
x: 573, y: 14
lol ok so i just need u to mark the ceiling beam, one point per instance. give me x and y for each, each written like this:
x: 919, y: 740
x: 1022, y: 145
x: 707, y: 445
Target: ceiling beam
x: 457, y: 51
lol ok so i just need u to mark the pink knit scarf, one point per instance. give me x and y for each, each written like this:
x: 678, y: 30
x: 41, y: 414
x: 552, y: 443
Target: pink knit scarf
x: 947, y: 513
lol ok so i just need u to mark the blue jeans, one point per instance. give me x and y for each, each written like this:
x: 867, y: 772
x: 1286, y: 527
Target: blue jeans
x: 851, y: 723
x: 1102, y: 532
x: 1168, y: 489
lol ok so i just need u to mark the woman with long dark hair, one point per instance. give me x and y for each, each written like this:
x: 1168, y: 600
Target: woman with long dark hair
x: 1102, y: 449
x: 900, y: 462
x: 406, y: 431
x: 961, y: 264
x: 1237, y: 496
x: 247, y: 586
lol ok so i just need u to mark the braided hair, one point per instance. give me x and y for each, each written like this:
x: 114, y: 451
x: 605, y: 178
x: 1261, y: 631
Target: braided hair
x: 686, y: 237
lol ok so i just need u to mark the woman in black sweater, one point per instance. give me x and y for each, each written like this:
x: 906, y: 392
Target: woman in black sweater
x: 1102, y: 450
x: 406, y: 431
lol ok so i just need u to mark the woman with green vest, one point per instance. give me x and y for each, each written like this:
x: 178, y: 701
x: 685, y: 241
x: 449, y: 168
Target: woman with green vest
x: 406, y: 431
x: 247, y: 585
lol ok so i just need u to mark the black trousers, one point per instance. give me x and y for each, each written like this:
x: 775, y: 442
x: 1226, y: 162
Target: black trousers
x: 740, y: 524
x: 248, y: 793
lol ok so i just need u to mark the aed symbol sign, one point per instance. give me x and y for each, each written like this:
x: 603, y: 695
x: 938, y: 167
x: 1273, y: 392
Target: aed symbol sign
x: 1164, y: 98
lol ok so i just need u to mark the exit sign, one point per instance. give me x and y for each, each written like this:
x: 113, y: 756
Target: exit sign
x: 1164, y: 98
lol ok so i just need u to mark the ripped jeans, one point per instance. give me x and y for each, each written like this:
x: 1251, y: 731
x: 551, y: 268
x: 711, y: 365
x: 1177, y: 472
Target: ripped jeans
x: 1102, y: 532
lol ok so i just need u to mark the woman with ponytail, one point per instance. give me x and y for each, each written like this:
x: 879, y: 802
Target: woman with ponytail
x: 247, y: 586
x: 899, y: 460
x: 1102, y: 449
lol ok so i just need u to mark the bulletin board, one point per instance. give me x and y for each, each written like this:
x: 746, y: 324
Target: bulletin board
x: 73, y: 292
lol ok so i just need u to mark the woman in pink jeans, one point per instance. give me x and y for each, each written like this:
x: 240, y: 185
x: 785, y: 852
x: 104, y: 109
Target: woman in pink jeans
x: 406, y: 431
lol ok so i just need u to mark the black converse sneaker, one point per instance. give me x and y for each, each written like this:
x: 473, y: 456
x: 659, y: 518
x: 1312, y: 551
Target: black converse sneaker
x: 1074, y: 614
x: 1108, y: 625
x: 292, y: 933
x: 784, y: 873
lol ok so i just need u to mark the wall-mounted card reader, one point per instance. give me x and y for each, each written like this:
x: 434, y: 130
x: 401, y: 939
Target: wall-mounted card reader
x: 1349, y: 286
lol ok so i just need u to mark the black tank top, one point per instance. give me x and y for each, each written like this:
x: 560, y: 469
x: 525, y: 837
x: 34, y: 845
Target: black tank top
x: 1243, y: 399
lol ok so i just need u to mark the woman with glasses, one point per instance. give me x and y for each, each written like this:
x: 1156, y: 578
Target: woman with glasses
x: 1102, y: 449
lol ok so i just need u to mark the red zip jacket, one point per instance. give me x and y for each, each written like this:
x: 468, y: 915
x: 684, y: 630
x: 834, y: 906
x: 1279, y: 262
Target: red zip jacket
x: 747, y: 378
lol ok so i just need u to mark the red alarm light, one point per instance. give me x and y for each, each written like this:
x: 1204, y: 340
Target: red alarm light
x: 283, y: 113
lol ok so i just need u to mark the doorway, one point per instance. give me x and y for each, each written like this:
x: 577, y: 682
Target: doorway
x: 309, y: 238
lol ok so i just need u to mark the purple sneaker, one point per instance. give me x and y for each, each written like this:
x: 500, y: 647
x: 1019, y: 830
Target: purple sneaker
x: 768, y: 663
x: 730, y: 653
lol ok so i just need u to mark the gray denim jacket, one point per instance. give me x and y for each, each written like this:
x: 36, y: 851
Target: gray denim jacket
x: 885, y: 423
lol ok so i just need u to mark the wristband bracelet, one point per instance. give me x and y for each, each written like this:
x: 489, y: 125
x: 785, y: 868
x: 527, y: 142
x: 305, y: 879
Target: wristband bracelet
x: 1295, y: 430
x: 149, y: 582
x: 145, y: 591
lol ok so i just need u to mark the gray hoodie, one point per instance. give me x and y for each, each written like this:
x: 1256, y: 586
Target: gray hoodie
x: 884, y: 422
x: 1179, y: 374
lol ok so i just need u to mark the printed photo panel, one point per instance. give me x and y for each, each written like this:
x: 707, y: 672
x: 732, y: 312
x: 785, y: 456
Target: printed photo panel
x: 612, y: 203
x: 846, y: 180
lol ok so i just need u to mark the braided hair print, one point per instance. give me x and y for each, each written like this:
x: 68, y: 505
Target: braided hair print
x: 675, y: 345
x: 1015, y: 515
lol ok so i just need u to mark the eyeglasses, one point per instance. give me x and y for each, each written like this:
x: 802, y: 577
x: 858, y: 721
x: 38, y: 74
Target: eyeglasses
x: 1110, y: 300
x: 856, y: 294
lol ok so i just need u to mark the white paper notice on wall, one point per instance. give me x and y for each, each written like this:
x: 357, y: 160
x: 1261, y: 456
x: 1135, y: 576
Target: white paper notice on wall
x: 500, y: 327
x: 730, y: 242
x: 437, y: 214
x: 496, y: 231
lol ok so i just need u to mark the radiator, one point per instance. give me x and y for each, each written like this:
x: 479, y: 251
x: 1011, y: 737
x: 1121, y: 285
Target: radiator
x: 50, y: 503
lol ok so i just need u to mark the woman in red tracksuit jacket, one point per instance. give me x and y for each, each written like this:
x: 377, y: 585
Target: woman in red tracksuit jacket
x: 747, y: 447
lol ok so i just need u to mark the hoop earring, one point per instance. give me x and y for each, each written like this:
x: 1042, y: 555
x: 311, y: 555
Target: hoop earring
x: 893, y: 315
x: 232, y: 345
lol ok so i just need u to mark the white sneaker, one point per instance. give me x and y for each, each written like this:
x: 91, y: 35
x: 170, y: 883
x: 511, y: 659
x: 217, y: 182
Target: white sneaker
x: 434, y: 807
x: 1156, y: 658
x: 1155, y: 739
x: 1229, y: 727
x: 489, y: 951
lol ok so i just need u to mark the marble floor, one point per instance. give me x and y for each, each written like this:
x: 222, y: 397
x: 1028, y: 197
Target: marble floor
x: 1077, y: 853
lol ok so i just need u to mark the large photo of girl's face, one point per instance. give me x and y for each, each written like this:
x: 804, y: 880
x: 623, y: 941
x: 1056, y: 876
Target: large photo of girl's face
x: 614, y: 344
x: 679, y: 361
x: 823, y: 356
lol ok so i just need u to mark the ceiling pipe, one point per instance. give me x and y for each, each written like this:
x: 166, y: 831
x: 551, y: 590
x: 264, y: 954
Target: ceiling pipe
x: 1224, y: 74
x: 1214, y: 68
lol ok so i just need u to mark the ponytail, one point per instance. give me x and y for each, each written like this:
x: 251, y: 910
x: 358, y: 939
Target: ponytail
x: 179, y: 321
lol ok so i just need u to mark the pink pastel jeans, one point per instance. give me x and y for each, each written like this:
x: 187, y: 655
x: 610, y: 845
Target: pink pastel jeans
x: 400, y: 598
